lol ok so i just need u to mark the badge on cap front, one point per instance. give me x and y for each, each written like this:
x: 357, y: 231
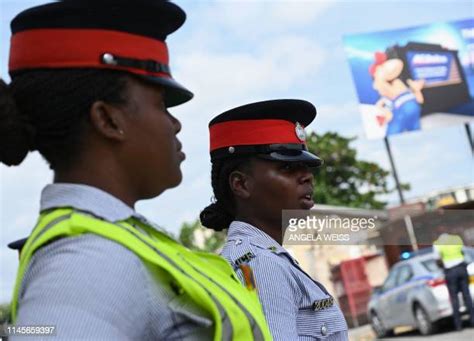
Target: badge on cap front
x: 299, y: 130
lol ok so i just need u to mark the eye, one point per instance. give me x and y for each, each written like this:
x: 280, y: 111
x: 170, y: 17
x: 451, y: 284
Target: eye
x: 287, y: 166
x: 293, y: 166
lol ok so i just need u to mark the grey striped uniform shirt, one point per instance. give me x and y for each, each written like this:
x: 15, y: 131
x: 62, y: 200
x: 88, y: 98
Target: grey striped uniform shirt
x: 95, y: 289
x: 286, y: 292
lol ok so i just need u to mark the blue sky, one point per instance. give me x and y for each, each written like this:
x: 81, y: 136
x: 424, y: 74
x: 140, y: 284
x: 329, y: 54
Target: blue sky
x: 234, y: 52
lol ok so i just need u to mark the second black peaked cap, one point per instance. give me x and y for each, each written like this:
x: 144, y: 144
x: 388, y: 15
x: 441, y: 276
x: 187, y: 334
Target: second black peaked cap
x: 271, y: 130
x: 126, y: 35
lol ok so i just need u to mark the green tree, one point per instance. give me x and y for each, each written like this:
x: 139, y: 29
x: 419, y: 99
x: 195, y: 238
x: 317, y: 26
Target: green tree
x: 4, y: 313
x: 196, y: 237
x: 344, y: 180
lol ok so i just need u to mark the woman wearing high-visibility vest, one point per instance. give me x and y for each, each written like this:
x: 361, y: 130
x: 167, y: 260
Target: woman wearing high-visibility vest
x: 90, y: 90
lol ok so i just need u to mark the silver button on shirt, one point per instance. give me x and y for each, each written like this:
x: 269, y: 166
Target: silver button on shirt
x: 286, y: 292
x: 93, y: 288
x: 324, y: 330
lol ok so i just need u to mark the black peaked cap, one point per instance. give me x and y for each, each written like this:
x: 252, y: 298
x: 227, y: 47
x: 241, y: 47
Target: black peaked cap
x: 133, y: 16
x: 154, y: 19
x: 293, y: 110
x: 264, y: 138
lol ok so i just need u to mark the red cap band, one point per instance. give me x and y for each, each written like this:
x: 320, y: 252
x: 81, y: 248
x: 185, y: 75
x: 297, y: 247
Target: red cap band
x: 252, y: 132
x: 79, y: 48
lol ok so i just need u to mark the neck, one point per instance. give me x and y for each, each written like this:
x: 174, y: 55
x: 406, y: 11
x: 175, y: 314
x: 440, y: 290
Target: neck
x: 108, y: 179
x: 272, y: 228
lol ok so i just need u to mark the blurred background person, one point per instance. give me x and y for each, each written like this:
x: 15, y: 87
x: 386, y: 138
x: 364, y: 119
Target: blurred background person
x: 449, y: 250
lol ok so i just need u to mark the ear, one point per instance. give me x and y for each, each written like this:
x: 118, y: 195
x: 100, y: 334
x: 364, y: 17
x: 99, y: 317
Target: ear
x: 108, y: 120
x: 240, y: 184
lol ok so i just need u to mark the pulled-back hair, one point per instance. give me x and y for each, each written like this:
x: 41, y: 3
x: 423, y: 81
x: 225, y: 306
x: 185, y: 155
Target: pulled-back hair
x: 221, y: 212
x: 47, y: 110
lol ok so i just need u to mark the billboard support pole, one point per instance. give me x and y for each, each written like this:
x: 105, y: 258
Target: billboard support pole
x: 469, y: 136
x: 394, y: 170
x: 411, y: 232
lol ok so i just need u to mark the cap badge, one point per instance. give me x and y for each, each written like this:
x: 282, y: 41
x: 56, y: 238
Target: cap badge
x: 299, y: 130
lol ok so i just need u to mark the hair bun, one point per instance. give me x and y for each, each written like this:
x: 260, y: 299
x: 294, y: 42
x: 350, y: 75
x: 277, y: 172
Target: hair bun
x: 16, y: 134
x: 215, y: 217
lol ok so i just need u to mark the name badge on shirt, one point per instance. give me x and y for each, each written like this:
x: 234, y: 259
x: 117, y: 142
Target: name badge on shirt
x: 323, y: 304
x: 244, y: 259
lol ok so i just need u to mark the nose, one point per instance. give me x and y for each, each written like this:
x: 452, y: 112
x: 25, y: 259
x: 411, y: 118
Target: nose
x: 176, y: 123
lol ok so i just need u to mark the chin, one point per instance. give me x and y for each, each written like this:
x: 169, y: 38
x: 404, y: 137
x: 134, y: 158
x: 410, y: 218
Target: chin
x: 176, y: 179
x: 177, y: 182
x: 158, y: 188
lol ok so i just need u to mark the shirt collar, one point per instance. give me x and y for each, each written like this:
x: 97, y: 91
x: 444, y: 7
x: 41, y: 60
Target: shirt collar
x: 240, y: 229
x: 86, y: 198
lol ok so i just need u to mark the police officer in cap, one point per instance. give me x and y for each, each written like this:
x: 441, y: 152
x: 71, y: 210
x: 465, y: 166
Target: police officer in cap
x: 90, y: 90
x: 261, y: 166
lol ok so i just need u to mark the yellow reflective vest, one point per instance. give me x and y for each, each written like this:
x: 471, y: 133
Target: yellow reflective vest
x: 207, y: 278
x: 449, y: 247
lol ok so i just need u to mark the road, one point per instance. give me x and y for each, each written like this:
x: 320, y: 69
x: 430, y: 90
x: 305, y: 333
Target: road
x: 446, y: 333
x: 466, y: 334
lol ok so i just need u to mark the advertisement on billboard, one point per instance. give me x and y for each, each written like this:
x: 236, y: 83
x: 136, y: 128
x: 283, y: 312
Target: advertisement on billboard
x: 413, y: 78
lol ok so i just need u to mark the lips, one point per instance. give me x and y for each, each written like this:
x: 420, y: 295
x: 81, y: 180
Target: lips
x: 306, y: 200
x: 179, y: 146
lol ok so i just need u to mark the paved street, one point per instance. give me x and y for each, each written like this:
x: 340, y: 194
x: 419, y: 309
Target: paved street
x: 445, y: 333
x: 467, y: 334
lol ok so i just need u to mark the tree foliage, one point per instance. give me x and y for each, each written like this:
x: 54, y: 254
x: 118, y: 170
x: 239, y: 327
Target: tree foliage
x: 344, y: 180
x: 4, y: 313
x: 196, y: 237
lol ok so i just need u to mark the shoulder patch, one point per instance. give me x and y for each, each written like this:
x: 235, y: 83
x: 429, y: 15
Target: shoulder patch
x: 244, y: 259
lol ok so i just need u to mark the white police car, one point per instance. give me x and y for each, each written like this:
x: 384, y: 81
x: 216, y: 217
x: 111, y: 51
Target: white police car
x: 414, y: 294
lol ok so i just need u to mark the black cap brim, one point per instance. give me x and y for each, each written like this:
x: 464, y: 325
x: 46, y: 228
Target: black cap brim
x: 294, y: 156
x: 175, y: 93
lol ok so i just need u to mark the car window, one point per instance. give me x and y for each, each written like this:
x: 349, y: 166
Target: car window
x: 431, y: 265
x: 405, y: 273
x: 391, y: 280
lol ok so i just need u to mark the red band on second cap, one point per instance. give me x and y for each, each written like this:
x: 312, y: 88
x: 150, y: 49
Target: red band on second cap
x: 252, y: 132
x: 75, y: 48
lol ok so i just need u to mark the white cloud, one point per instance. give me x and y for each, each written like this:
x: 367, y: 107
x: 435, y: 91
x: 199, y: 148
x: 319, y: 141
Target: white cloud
x: 299, y: 13
x: 223, y: 80
x: 251, y: 20
x: 358, y: 53
x: 343, y: 118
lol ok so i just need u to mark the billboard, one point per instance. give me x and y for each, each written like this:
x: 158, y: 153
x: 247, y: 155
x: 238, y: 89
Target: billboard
x: 413, y: 78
